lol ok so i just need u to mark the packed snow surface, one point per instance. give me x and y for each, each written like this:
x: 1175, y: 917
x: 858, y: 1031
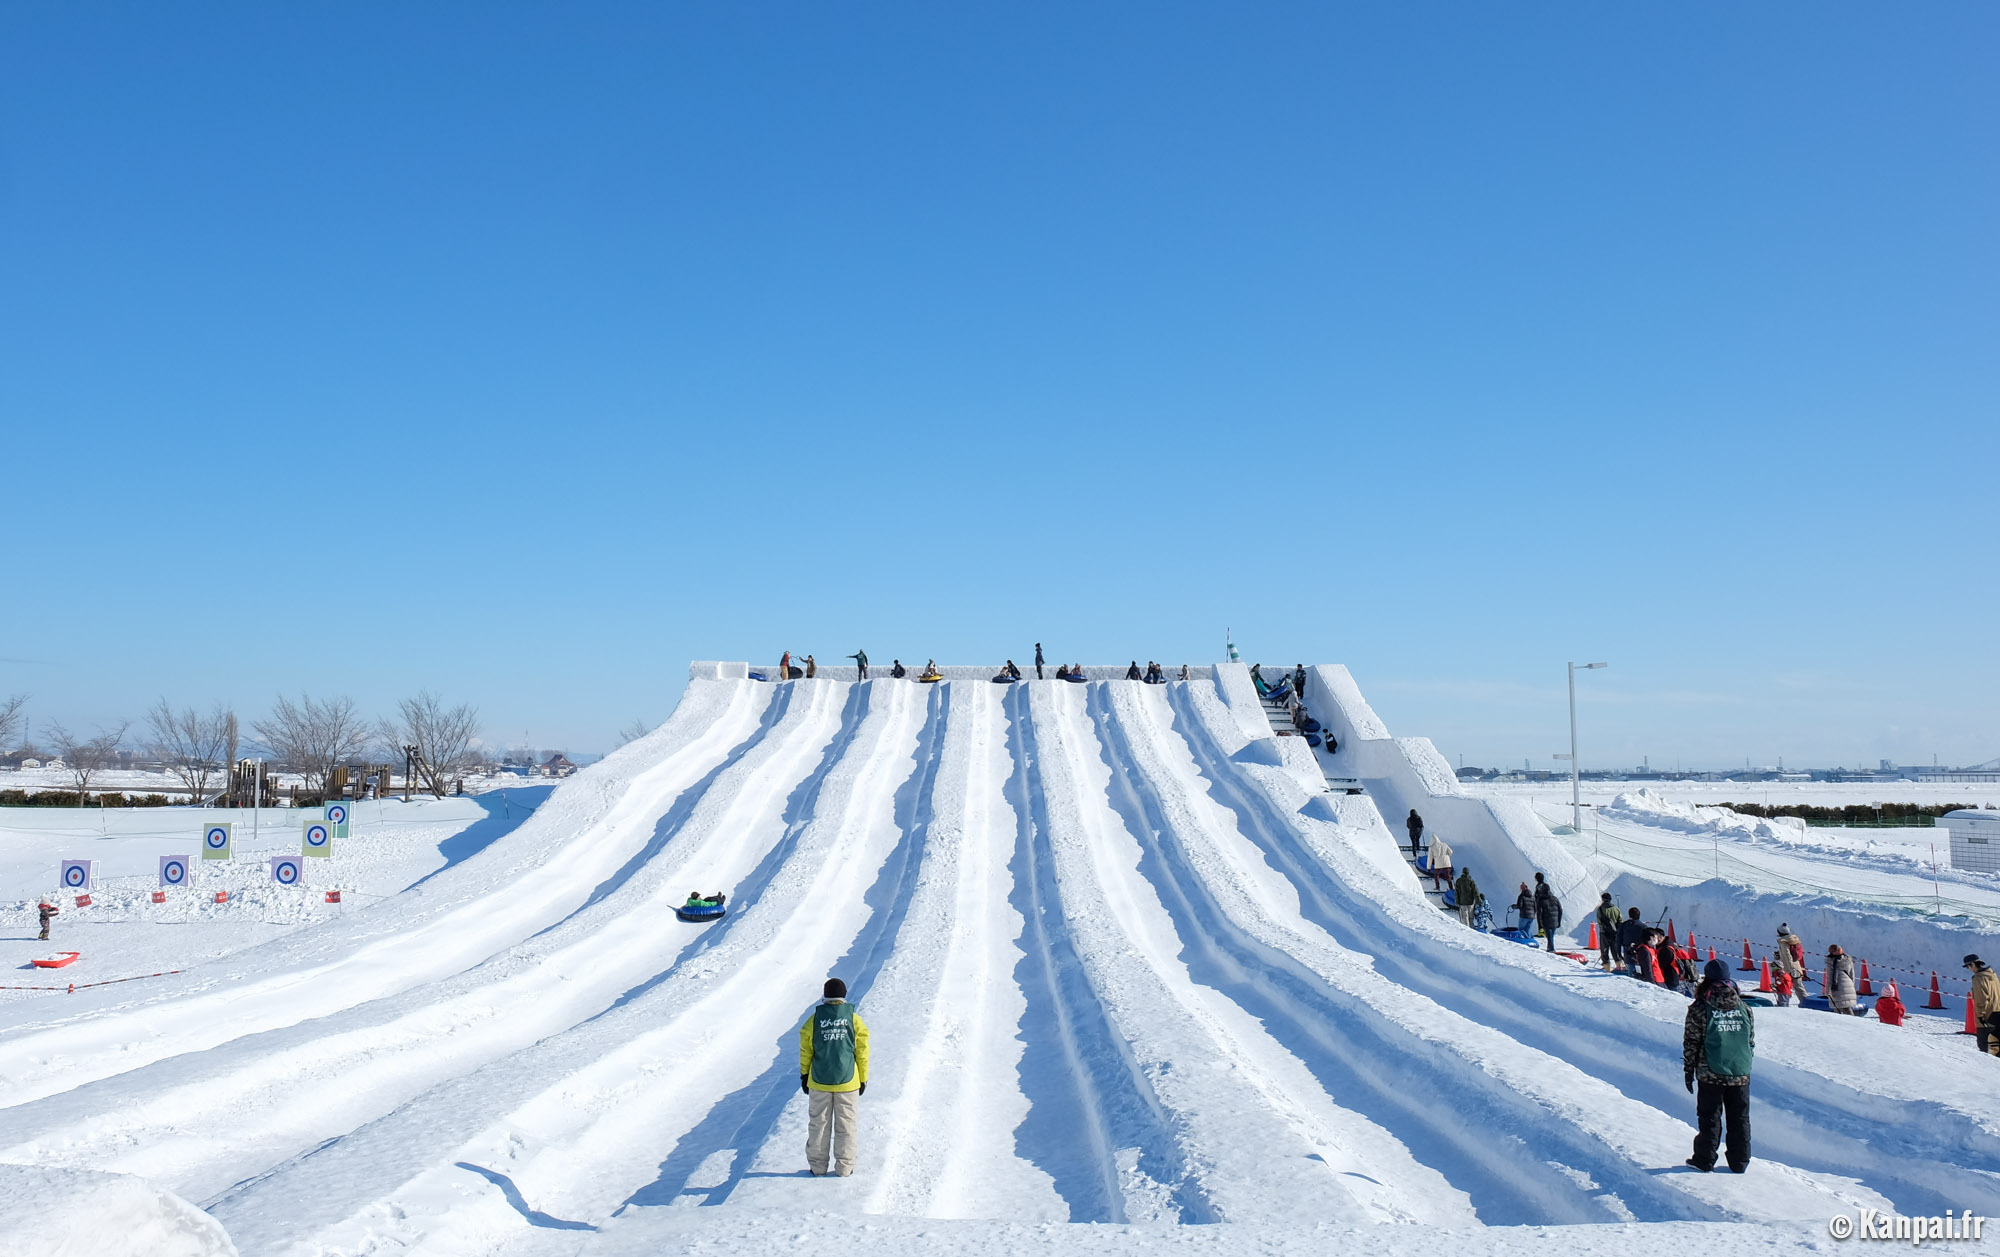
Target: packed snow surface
x: 1125, y: 959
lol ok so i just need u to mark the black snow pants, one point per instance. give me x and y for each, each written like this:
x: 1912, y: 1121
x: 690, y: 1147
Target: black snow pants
x: 1713, y: 1102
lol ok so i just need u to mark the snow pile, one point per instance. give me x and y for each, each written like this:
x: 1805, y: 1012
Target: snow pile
x: 79, y: 1213
x: 1647, y: 807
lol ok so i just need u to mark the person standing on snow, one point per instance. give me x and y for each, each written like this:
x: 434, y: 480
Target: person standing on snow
x: 860, y: 658
x: 833, y: 1072
x: 1466, y: 892
x: 1038, y: 661
x: 1631, y: 937
x: 1840, y: 988
x: 1608, y: 952
x: 1985, y: 1004
x: 785, y: 667
x: 1718, y: 1041
x: 1792, y: 956
x: 812, y: 669
x: 1299, y: 680
x: 1524, y: 909
x: 1416, y: 827
x: 48, y: 913
x: 1437, y: 860
x: 1548, y: 910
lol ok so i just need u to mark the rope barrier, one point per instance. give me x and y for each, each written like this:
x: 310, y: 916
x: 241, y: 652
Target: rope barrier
x: 74, y: 987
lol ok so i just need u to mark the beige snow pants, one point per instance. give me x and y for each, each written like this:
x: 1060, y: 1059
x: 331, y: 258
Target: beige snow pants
x: 833, y: 1117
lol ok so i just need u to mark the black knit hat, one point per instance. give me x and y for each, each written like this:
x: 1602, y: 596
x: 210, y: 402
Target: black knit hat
x: 1969, y: 961
x: 835, y: 989
x: 1715, y: 971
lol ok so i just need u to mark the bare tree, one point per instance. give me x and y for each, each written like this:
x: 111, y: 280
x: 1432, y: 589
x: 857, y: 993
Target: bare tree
x: 313, y: 738
x: 443, y: 738
x: 11, y: 718
x: 85, y: 757
x: 634, y: 731
x: 194, y: 747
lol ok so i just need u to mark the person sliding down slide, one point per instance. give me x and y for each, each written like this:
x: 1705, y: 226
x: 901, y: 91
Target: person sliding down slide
x: 930, y: 672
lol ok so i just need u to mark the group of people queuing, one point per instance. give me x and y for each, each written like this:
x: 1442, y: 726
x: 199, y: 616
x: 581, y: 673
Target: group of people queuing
x: 807, y: 668
x: 1289, y: 692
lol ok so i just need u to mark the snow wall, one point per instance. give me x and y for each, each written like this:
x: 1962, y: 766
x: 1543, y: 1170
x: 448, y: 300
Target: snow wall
x: 47, y: 1212
x: 1501, y: 840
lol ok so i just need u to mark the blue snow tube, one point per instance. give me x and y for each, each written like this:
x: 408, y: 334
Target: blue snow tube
x: 1003, y: 679
x: 1312, y: 726
x: 758, y: 676
x: 1312, y: 739
x: 1076, y: 677
x: 702, y: 911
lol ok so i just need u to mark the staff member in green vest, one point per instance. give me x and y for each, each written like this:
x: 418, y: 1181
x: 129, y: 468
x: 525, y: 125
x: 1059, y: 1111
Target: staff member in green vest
x: 833, y: 1072
x: 1717, y: 1042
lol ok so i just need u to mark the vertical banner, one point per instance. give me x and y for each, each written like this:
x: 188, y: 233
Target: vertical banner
x: 287, y: 870
x: 173, y: 871
x: 215, y: 841
x: 76, y: 874
x: 336, y: 816
x: 318, y: 838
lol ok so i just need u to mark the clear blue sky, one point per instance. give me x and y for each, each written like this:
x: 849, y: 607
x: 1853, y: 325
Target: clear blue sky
x: 529, y: 351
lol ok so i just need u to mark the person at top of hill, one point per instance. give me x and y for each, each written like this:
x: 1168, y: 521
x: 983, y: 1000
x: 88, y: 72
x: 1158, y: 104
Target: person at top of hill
x: 1524, y: 910
x: 1257, y: 679
x: 833, y: 1072
x: 1011, y: 670
x: 1840, y: 985
x: 1132, y: 673
x: 896, y: 668
x: 860, y: 658
x: 1038, y: 661
x: 1184, y: 673
x: 1154, y: 675
x: 812, y: 669
x: 1791, y: 955
x: 1062, y: 672
x: 1415, y: 824
x: 785, y: 666
x: 1466, y: 892
x: 1608, y: 953
x: 1437, y: 861
x: 1985, y: 1004
x: 1299, y: 680
x: 930, y: 672
x: 1889, y: 1008
x: 1548, y: 910
x: 1718, y: 1042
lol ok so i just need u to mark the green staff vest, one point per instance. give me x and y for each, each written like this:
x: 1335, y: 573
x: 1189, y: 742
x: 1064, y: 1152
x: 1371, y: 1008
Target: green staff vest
x: 1727, y: 1043
x: 833, y: 1045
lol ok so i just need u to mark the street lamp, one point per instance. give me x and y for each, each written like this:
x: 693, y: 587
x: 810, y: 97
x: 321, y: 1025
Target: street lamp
x: 1575, y: 770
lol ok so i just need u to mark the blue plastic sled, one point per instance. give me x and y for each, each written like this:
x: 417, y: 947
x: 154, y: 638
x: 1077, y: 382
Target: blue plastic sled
x: 1074, y: 677
x: 702, y: 912
x: 1312, y: 739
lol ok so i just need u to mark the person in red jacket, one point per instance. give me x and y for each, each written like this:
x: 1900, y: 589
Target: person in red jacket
x: 1781, y: 985
x: 1889, y: 1009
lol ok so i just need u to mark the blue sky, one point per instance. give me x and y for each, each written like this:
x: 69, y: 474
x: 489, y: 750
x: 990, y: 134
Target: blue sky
x: 527, y: 352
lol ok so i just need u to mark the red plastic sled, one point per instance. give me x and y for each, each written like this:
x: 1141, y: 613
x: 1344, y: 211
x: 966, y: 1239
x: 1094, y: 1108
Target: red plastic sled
x: 58, y: 960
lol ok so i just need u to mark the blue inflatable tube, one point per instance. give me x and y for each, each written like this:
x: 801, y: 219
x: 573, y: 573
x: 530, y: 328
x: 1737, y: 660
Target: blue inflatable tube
x: 702, y: 913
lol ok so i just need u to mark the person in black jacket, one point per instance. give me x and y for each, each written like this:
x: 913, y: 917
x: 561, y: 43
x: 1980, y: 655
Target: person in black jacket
x: 1609, y: 954
x: 1132, y: 673
x: 1631, y: 936
x: 1548, y: 909
x: 1299, y: 680
x: 1038, y: 661
x: 1416, y: 827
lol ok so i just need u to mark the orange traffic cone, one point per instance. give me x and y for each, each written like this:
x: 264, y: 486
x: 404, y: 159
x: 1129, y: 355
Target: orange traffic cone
x: 1936, y: 1000
x: 1971, y: 1022
x: 1691, y: 944
x: 1866, y: 987
x: 1670, y: 930
x: 1593, y: 936
x: 1764, y: 979
x: 1711, y: 953
x: 1748, y: 964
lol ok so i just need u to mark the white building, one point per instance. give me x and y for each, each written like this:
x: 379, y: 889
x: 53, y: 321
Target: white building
x: 1975, y: 839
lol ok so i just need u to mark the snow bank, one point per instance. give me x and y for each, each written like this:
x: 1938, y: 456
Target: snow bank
x: 79, y: 1213
x: 1648, y: 807
x: 1501, y: 840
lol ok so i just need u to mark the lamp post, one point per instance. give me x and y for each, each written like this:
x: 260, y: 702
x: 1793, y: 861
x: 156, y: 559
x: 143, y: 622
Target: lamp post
x: 1576, y: 770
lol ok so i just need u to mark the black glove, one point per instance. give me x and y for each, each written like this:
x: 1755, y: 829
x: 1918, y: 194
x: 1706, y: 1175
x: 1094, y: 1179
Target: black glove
x: 802, y: 1085
x: 864, y: 1089
x: 1690, y: 1083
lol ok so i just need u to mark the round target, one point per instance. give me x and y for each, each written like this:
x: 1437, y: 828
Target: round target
x: 287, y: 873
x: 217, y: 838
x: 316, y: 835
x: 75, y: 875
x: 173, y: 873
x: 336, y: 814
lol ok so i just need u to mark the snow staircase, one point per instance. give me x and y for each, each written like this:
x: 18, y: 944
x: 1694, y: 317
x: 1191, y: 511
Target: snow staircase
x: 1432, y: 891
x: 1281, y: 724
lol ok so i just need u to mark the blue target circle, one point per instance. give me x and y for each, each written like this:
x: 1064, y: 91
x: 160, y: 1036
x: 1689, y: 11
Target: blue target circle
x: 316, y: 836
x: 218, y: 838
x: 337, y: 815
x: 174, y: 873
x: 75, y: 876
x: 287, y: 873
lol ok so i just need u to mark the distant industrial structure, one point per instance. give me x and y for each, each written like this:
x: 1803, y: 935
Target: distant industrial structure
x: 1884, y: 772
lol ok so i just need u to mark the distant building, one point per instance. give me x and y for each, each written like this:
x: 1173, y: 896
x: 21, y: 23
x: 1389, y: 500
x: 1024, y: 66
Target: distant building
x: 557, y: 765
x: 1975, y: 839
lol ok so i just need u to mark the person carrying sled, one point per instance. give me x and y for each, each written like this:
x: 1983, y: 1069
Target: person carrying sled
x: 1038, y: 661
x: 1548, y: 910
x: 1466, y: 892
x: 1718, y: 1041
x: 833, y: 1072
x: 860, y: 658
x: 1840, y: 987
x: 1985, y: 1004
x: 47, y: 912
x: 785, y: 667
x: 1609, y: 954
x: 1415, y: 824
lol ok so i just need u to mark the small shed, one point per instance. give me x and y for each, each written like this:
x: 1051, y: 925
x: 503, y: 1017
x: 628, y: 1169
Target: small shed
x: 1975, y: 839
x: 557, y: 765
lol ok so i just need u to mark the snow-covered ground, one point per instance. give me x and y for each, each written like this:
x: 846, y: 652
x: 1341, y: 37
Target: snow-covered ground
x: 1126, y: 961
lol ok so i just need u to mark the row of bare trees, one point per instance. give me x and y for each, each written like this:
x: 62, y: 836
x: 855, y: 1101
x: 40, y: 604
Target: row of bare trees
x: 308, y: 736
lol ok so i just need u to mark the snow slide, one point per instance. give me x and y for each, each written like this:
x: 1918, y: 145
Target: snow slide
x: 1124, y: 958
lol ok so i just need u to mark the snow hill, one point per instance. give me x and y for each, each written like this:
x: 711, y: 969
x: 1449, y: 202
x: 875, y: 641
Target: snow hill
x: 1126, y: 959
